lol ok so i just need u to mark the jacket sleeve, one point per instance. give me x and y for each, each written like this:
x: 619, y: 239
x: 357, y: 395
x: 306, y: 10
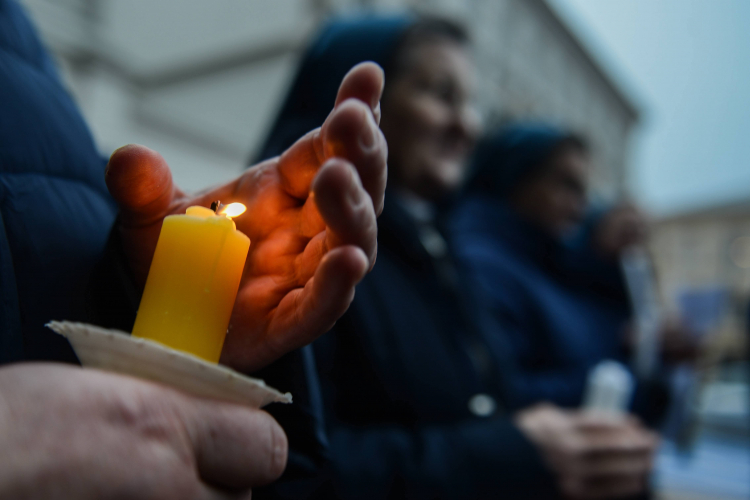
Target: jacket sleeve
x: 112, y: 294
x: 580, y: 263
x: 518, y: 326
x: 307, y: 469
x: 475, y: 459
x: 564, y: 388
x: 379, y: 449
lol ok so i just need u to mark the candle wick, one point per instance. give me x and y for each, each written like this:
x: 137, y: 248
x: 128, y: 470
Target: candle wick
x: 215, y: 205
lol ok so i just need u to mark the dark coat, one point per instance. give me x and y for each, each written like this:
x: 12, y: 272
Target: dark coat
x: 561, y: 309
x: 398, y: 372
x: 55, y: 212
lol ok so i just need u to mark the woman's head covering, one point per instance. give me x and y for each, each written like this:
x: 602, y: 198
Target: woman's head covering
x: 510, y: 155
x: 342, y: 44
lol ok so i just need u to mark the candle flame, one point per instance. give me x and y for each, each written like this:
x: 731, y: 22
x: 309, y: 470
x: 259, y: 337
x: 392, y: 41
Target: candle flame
x: 233, y: 210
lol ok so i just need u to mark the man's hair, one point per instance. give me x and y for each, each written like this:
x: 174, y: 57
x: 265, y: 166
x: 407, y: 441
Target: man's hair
x: 426, y: 29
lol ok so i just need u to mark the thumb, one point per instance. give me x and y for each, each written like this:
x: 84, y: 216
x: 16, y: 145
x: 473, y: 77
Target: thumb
x: 234, y: 447
x: 139, y: 180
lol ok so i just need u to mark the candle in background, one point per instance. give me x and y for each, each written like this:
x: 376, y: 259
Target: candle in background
x: 609, y: 389
x: 193, y: 281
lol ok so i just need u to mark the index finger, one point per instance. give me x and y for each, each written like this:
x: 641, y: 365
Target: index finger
x: 363, y: 82
x: 299, y: 163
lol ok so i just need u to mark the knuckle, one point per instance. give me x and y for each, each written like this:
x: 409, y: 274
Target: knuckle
x: 149, y: 415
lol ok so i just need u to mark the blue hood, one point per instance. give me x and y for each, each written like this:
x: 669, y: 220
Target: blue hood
x: 511, y: 154
x: 340, y: 45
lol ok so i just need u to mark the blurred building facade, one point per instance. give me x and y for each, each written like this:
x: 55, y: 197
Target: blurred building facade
x: 200, y: 81
x: 703, y: 260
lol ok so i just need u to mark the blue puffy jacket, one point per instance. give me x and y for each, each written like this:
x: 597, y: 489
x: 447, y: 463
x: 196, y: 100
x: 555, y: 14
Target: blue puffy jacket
x: 55, y: 212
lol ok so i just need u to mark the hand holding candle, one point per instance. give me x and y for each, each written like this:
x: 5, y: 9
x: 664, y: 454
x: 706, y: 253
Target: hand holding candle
x: 311, y: 217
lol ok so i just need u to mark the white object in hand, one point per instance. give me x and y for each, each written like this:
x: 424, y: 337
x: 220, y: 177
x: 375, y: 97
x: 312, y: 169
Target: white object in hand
x: 118, y: 352
x: 609, y: 388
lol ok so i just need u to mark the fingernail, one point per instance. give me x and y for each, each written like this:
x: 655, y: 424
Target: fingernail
x: 377, y: 114
x: 368, y: 136
x: 382, y: 83
x: 280, y: 452
x: 353, y: 193
x: 365, y: 261
x: 375, y: 101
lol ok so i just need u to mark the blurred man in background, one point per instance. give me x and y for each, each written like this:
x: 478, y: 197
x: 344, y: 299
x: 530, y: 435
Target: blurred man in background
x: 548, y: 265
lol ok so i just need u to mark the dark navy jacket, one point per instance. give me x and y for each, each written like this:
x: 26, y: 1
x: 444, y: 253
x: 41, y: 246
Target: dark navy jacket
x: 562, y: 309
x: 55, y: 212
x: 398, y: 372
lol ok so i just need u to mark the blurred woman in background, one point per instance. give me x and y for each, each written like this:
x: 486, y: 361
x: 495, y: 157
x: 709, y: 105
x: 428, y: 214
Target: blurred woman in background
x: 412, y: 377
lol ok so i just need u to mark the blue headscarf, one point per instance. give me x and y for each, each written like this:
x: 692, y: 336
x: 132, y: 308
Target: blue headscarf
x: 510, y: 155
x: 342, y: 44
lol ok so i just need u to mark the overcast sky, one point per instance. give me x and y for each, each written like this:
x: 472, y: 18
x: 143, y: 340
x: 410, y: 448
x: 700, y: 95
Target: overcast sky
x: 687, y: 63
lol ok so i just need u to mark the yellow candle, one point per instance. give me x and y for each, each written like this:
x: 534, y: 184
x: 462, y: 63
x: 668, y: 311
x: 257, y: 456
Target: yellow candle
x: 193, y: 283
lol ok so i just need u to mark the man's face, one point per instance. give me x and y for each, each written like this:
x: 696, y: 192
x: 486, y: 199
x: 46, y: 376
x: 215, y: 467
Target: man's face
x: 429, y: 120
x: 555, y: 199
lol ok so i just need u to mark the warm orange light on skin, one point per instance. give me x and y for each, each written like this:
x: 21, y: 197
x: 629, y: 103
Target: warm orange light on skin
x: 233, y: 210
